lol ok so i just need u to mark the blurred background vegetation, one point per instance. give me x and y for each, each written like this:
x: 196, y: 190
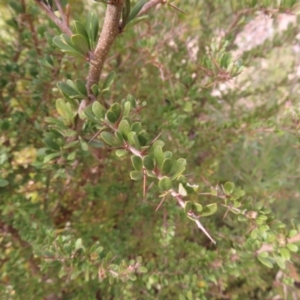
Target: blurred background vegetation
x: 243, y: 130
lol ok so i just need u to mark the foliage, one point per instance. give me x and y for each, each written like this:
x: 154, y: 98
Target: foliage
x: 185, y: 125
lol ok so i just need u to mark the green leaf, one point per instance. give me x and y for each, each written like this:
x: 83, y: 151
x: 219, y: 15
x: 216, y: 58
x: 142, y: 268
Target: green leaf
x: 192, y: 206
x: 131, y: 99
x: 254, y: 233
x: 95, y: 89
x: 198, y: 207
x: 190, y: 188
x: 136, y: 175
x: 189, y: 295
x: 148, y: 162
x: 80, y: 43
x: 51, y: 156
x: 285, y: 253
x: 137, y: 8
x: 121, y: 152
x: 209, y: 210
x: 69, y: 91
x: 142, y: 270
x: 117, y: 109
x: 131, y: 276
x: 177, y: 168
x: 292, y: 233
x: 83, y: 143
x: 98, y: 110
x: 51, y: 143
x: 265, y: 260
x: 3, y: 182
x: 87, y: 273
x: 166, y: 166
x: 135, y: 21
x: 292, y: 247
x: 124, y: 128
x: 80, y: 29
x: 65, y: 110
x: 188, y: 206
x: 61, y: 43
x: 80, y: 85
x: 71, y: 156
x: 96, y: 248
x: 96, y: 144
x: 165, y: 183
x: 137, y: 162
x: 143, y: 137
x: 92, y: 27
x: 78, y: 244
x: 136, y: 127
x: 64, y: 43
x: 133, y: 140
x: 125, y: 13
x: 158, y: 155
x: 280, y: 262
x: 229, y: 187
x: 88, y: 112
x: 119, y: 137
x: 71, y: 145
x: 181, y: 190
x: 111, y: 117
x: 168, y: 154
x: 108, y: 82
x: 126, y: 109
x: 109, y: 139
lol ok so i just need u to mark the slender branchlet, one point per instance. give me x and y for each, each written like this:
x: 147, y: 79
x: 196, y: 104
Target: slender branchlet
x: 110, y: 31
x: 150, y: 4
x: 62, y: 24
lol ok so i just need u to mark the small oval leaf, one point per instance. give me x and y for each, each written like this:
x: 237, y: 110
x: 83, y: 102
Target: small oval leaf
x: 136, y: 175
x: 117, y: 109
x: 111, y: 117
x: 158, y: 155
x: 121, y: 152
x: 209, y: 210
x: 165, y: 183
x: 148, y: 162
x: 229, y: 187
x: 98, y: 110
x: 124, y: 128
x: 126, y: 109
x: 3, y: 182
x: 166, y: 166
x: 109, y: 139
x: 137, y: 162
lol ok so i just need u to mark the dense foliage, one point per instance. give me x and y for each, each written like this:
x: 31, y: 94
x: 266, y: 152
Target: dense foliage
x: 103, y: 185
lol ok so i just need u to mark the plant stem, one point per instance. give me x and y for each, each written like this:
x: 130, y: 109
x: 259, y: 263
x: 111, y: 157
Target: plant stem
x: 109, y: 33
x: 47, y: 9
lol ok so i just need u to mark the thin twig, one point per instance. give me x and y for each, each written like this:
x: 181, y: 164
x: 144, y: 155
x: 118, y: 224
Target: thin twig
x: 62, y: 14
x: 68, y: 11
x: 160, y: 203
x: 149, y: 5
x: 270, y: 248
x: 177, y: 8
x: 47, y: 9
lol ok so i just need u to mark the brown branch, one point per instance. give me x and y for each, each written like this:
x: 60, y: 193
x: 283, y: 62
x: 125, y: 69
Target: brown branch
x: 270, y: 248
x: 47, y: 9
x: 149, y: 5
x: 29, y: 20
x: 35, y: 270
x: 108, y: 35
